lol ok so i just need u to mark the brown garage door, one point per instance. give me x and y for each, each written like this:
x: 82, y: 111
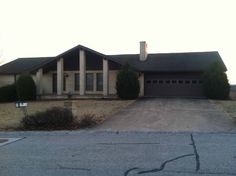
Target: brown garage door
x: 173, y: 85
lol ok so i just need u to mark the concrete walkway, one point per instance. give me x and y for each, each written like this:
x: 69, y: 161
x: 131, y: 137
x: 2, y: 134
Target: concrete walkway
x: 171, y: 115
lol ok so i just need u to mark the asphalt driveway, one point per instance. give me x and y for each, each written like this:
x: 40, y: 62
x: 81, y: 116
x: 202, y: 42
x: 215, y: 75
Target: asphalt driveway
x: 177, y: 115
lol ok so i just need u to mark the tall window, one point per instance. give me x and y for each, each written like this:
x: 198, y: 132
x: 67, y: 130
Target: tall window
x: 77, y: 81
x: 99, y: 81
x: 89, y: 81
x: 54, y: 83
x: 64, y: 83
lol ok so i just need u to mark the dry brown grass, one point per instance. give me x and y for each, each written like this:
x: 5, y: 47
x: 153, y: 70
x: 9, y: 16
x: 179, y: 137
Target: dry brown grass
x: 10, y: 116
x: 229, y: 106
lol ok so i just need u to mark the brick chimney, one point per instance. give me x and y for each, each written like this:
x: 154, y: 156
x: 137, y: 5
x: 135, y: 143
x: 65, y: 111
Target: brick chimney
x: 143, y: 51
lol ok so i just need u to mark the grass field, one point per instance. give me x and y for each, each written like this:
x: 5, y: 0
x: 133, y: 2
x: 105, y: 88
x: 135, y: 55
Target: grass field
x: 229, y: 106
x: 10, y: 116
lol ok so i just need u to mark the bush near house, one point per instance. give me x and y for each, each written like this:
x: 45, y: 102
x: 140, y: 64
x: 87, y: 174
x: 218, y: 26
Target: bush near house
x: 57, y: 118
x: 87, y: 120
x: 216, y: 85
x: 8, y: 93
x: 26, y: 89
x: 127, y: 84
x: 53, y: 118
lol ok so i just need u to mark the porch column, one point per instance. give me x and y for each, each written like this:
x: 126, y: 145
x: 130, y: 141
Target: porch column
x: 39, y: 76
x: 105, y: 77
x: 60, y: 74
x: 82, y: 72
x: 141, y: 83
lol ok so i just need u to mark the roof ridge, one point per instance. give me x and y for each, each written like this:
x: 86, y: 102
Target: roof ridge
x: 191, y: 52
x: 36, y: 57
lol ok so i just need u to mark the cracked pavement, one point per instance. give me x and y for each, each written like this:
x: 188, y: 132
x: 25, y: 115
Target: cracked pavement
x: 127, y: 153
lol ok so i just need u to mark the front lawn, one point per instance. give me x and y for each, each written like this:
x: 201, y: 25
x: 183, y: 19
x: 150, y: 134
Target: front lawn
x: 10, y: 116
x: 229, y: 106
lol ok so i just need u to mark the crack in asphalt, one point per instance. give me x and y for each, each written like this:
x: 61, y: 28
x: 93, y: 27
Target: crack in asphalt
x: 164, y: 164
x: 157, y: 169
x: 199, y: 173
x: 73, y: 168
x: 129, y: 170
x: 197, y: 158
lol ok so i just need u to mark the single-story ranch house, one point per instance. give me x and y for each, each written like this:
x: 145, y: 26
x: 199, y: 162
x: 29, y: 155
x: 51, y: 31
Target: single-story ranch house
x: 83, y: 72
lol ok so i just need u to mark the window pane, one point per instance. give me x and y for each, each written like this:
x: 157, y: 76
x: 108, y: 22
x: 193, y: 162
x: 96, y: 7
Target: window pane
x: 54, y: 83
x: 64, y: 83
x: 76, y: 81
x: 187, y: 82
x: 89, y: 81
x: 154, y: 81
x: 99, y: 81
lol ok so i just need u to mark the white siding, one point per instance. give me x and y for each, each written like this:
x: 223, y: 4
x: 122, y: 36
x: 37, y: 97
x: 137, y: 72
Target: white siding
x: 141, y: 84
x: 47, y: 83
x: 6, y: 80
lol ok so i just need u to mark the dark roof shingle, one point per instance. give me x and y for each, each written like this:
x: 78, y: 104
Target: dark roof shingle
x: 163, y: 62
x: 174, y: 62
x: 23, y: 65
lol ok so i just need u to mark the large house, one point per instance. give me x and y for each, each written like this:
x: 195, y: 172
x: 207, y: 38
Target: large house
x: 84, y: 72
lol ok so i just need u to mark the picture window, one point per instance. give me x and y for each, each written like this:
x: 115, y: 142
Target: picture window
x: 99, y: 81
x: 89, y: 81
x: 77, y: 78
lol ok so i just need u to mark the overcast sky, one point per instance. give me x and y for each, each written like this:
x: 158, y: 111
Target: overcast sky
x: 30, y: 28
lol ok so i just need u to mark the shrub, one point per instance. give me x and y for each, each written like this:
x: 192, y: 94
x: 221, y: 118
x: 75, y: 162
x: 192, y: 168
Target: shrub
x: 216, y: 85
x: 127, y: 84
x: 26, y: 89
x: 53, y: 118
x: 8, y: 93
x: 87, y: 120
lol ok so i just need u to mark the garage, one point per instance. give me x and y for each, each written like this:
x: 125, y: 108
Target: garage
x: 173, y: 85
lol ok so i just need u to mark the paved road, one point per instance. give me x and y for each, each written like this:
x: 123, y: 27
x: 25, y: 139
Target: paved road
x: 171, y: 115
x: 104, y: 153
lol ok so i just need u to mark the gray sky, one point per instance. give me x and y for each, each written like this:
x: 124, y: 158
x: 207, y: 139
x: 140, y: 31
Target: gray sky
x: 48, y: 27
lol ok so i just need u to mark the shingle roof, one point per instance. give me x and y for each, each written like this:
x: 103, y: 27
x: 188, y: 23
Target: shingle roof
x: 23, y: 65
x: 163, y: 62
x: 80, y: 47
x: 174, y: 62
